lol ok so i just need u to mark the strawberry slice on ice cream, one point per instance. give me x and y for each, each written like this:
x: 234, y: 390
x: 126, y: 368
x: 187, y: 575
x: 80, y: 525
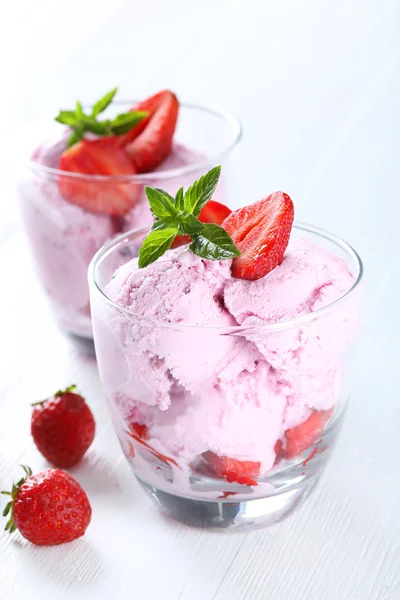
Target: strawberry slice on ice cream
x: 212, y: 212
x: 101, y: 156
x: 150, y: 141
x: 261, y: 232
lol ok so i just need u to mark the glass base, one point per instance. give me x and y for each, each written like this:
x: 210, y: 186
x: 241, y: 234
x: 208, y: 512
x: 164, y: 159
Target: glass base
x: 230, y: 515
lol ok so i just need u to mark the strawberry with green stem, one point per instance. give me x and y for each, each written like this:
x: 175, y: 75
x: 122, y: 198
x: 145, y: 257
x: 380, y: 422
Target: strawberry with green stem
x: 63, y: 427
x: 48, y: 508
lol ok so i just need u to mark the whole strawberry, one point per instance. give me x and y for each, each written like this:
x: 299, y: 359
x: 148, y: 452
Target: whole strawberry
x: 63, y: 427
x: 48, y: 508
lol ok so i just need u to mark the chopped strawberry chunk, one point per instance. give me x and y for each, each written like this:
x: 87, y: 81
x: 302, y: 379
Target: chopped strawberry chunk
x: 212, y: 212
x: 261, y: 232
x: 150, y: 141
x: 233, y: 470
x: 278, y: 447
x: 302, y: 436
x: 98, y: 157
x: 140, y: 430
x: 139, y: 433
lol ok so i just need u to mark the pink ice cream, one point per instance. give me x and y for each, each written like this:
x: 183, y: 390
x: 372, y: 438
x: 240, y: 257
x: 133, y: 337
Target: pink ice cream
x: 199, y: 385
x: 64, y: 237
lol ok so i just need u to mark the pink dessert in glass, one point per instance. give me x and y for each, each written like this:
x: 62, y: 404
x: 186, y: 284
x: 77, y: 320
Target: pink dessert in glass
x: 227, y: 376
x: 75, y: 199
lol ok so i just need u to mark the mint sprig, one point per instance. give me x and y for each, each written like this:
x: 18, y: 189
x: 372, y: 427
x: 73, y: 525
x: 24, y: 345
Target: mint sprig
x: 179, y: 216
x: 82, y: 123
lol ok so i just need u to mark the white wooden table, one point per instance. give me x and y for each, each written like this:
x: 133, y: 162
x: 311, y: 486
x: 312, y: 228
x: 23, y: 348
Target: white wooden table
x: 317, y: 87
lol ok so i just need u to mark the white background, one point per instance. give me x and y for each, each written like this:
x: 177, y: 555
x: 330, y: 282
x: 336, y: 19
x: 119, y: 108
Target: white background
x: 316, y: 84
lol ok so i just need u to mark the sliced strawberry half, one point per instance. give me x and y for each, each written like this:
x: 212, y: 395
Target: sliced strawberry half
x: 212, y: 212
x: 150, y: 141
x: 98, y: 157
x: 233, y: 470
x: 261, y: 232
x: 302, y: 436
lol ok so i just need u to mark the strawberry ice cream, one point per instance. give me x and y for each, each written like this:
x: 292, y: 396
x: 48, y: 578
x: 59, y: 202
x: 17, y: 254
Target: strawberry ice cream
x: 200, y: 367
x: 87, y: 184
x: 64, y: 237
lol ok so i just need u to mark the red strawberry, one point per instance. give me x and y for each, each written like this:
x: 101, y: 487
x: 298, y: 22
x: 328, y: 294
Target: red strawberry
x: 140, y: 430
x: 261, y: 232
x: 233, y: 470
x: 151, y: 140
x: 212, y: 212
x: 102, y: 156
x: 63, y: 428
x: 48, y: 508
x: 302, y: 436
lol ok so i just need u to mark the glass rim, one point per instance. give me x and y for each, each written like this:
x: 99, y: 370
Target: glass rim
x: 143, y: 178
x: 110, y: 246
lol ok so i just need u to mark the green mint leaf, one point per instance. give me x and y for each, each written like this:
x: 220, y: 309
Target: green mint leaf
x: 213, y: 243
x: 171, y: 198
x: 75, y: 137
x: 156, y: 244
x: 165, y: 223
x: 179, y: 216
x: 97, y: 127
x: 82, y: 123
x: 190, y: 225
x: 67, y: 117
x: 161, y: 203
x: 103, y: 103
x: 201, y: 191
x: 179, y: 201
x: 79, y: 111
x: 127, y: 121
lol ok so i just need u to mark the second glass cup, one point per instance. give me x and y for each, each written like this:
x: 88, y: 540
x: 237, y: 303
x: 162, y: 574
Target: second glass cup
x: 64, y: 237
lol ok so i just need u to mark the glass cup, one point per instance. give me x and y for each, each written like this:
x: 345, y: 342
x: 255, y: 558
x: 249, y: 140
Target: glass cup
x: 215, y: 443
x: 64, y: 237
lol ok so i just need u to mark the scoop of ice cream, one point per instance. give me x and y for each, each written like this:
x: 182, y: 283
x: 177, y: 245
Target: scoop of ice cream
x: 308, y: 278
x: 64, y: 237
x: 224, y: 418
x: 304, y: 355
x: 185, y: 291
